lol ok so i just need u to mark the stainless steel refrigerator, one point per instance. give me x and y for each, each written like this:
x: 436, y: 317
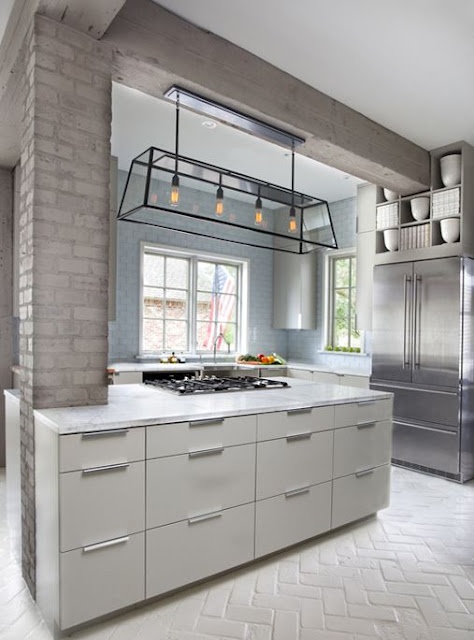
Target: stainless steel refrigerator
x: 423, y: 350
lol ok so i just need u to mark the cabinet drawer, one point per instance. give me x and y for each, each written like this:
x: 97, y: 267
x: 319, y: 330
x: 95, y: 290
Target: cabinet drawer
x: 355, y: 413
x: 356, y: 496
x: 101, y: 503
x: 93, y: 449
x: 182, y: 437
x: 290, y: 463
x: 180, y: 487
x: 295, y: 421
x: 288, y: 519
x: 187, y: 551
x: 301, y: 374
x: 363, y: 447
x: 353, y: 381
x: 325, y: 377
x: 99, y: 579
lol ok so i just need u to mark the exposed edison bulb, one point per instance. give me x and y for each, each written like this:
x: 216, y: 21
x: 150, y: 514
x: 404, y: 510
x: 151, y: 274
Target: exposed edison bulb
x: 174, y: 195
x: 292, y: 221
x: 258, y: 211
x: 219, y: 201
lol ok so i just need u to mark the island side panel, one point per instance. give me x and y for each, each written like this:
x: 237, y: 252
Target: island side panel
x: 47, y: 522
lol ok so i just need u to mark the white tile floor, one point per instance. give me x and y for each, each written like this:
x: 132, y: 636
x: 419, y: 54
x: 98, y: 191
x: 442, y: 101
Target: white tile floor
x: 406, y: 575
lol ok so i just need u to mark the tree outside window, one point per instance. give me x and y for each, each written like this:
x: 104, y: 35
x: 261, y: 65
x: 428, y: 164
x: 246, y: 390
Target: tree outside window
x: 343, y: 335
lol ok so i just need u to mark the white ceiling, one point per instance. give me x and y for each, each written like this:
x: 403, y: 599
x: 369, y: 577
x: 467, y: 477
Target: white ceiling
x: 407, y: 64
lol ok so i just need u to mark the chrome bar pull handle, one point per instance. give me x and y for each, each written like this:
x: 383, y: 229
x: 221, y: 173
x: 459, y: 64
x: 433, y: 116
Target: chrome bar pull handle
x: 365, y: 425
x: 305, y: 435
x: 205, y: 452
x: 296, y: 492
x: 406, y: 321
x: 205, y: 421
x: 417, y: 323
x: 106, y: 432
x: 104, y: 545
x: 204, y: 517
x: 292, y: 412
x: 107, y: 467
x: 364, y: 472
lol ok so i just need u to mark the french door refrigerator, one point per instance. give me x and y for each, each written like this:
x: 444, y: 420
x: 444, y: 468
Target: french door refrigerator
x: 423, y: 345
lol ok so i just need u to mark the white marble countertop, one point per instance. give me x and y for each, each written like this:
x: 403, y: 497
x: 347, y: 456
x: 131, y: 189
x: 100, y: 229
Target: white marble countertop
x: 308, y: 366
x: 139, y: 405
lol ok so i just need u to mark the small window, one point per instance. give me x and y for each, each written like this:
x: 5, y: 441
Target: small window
x: 342, y: 333
x: 191, y: 302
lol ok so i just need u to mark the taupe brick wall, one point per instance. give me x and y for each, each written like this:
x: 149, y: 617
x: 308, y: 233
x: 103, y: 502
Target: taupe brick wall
x: 64, y: 217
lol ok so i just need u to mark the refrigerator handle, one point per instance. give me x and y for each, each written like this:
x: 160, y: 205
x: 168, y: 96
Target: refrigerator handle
x: 406, y: 321
x: 416, y: 323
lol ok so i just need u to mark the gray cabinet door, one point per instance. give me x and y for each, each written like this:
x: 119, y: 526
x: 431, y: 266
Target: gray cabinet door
x: 393, y: 292
x: 436, y: 322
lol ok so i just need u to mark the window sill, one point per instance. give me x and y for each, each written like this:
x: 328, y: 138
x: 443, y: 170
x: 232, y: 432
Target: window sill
x: 343, y: 353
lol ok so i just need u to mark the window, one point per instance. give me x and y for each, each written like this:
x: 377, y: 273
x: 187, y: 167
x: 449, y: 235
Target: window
x: 191, y: 302
x: 342, y: 334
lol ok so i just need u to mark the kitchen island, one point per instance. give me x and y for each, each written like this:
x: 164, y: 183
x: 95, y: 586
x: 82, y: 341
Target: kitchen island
x: 154, y: 491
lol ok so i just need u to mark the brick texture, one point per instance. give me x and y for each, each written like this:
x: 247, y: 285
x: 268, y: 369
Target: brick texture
x: 63, y: 235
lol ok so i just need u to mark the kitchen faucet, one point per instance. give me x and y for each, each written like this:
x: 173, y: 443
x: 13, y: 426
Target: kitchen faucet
x: 220, y: 335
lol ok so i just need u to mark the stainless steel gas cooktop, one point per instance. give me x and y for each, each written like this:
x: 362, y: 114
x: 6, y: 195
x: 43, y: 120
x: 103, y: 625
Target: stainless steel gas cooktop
x: 213, y: 384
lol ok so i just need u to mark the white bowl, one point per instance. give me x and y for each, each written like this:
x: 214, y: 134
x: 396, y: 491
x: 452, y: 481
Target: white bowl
x: 420, y: 207
x: 389, y: 195
x: 390, y: 238
x: 450, y: 169
x: 450, y: 229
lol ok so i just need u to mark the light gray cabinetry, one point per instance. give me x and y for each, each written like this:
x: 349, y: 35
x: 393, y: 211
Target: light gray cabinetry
x: 131, y: 514
x: 330, y: 377
x: 367, y: 195
x: 294, y: 290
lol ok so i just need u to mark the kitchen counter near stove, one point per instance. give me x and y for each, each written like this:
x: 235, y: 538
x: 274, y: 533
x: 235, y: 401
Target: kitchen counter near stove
x: 136, y: 405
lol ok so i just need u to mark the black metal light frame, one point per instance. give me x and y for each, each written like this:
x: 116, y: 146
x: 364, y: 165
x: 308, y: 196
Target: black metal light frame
x: 149, y: 162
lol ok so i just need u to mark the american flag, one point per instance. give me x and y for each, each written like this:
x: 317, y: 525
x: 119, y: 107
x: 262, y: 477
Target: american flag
x: 222, y: 305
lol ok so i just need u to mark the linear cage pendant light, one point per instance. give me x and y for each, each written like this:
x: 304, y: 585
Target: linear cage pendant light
x: 170, y: 191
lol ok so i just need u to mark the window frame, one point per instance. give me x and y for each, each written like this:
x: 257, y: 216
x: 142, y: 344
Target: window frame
x: 194, y: 257
x: 329, y: 260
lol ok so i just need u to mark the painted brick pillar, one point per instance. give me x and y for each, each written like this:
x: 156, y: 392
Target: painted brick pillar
x: 64, y: 219
x: 6, y: 295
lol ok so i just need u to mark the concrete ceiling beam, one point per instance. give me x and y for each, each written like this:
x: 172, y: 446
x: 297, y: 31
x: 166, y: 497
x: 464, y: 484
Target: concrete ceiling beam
x: 155, y: 49
x: 92, y: 17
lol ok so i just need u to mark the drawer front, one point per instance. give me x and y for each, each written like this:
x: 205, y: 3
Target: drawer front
x: 79, y: 451
x: 357, y: 496
x: 288, y: 519
x: 363, y: 447
x: 180, y: 487
x: 187, y: 551
x: 97, y: 580
x: 325, y: 377
x: 295, y: 421
x: 302, y: 374
x: 355, y: 413
x: 291, y: 463
x: 101, y: 503
x: 353, y: 381
x: 182, y: 437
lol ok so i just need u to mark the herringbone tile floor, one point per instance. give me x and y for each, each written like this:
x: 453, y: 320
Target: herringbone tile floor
x: 405, y: 575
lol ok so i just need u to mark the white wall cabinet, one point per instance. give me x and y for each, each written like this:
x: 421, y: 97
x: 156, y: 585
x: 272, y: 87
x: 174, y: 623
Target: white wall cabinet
x: 127, y: 515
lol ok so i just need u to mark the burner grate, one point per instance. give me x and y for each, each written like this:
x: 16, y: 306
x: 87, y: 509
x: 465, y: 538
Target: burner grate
x: 213, y: 384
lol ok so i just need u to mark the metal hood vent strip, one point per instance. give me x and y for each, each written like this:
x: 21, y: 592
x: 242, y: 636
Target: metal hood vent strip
x: 146, y: 200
